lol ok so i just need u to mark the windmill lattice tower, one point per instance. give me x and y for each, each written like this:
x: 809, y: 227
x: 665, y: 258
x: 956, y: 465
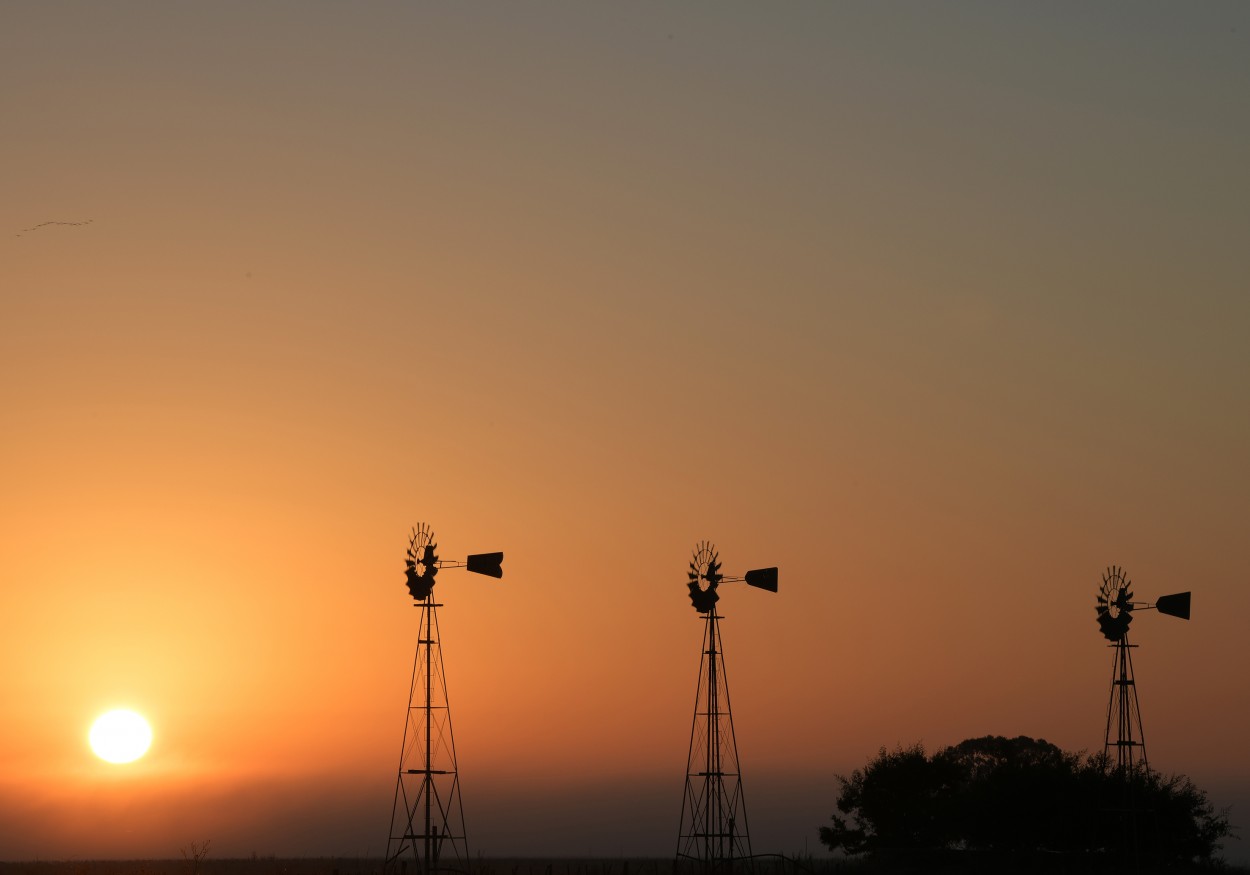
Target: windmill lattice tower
x: 714, y: 833
x: 1124, y: 734
x: 427, y: 816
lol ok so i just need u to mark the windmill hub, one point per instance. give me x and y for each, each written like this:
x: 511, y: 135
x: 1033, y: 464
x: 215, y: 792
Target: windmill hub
x: 704, y: 577
x: 421, y: 563
x: 1115, y: 609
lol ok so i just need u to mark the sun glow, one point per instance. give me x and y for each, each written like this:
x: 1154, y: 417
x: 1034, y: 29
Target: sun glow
x: 120, y: 736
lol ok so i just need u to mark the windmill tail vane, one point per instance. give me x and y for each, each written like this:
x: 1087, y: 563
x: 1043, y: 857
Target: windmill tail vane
x: 1174, y: 605
x: 762, y: 578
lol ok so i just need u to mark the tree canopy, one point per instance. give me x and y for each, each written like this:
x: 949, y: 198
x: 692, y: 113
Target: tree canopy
x: 1023, y: 798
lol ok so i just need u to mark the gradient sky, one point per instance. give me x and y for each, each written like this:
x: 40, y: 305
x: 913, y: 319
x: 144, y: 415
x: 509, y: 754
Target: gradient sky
x: 941, y: 308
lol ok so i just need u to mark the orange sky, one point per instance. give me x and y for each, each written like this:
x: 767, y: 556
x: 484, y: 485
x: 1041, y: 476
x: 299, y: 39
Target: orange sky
x: 940, y: 311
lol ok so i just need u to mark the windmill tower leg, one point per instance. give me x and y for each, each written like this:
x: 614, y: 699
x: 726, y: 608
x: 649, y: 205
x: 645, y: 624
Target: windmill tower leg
x: 1124, y: 719
x: 1124, y: 713
x: 713, y: 834
x: 427, y: 819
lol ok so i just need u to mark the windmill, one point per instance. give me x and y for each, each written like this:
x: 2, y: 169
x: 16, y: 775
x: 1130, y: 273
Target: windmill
x: 1115, y: 613
x: 427, y: 819
x: 713, y: 832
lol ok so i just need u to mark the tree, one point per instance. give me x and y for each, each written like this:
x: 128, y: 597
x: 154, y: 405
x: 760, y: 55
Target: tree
x: 1014, y: 794
x: 900, y: 800
x: 1169, y: 819
x: 1002, y: 799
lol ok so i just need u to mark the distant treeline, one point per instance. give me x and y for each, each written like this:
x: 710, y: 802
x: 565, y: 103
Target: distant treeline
x: 1021, y: 805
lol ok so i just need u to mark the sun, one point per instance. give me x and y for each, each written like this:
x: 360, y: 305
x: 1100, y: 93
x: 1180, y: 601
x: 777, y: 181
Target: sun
x: 120, y: 736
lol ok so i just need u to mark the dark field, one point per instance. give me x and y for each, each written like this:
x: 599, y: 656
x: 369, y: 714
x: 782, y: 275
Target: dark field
x: 358, y: 866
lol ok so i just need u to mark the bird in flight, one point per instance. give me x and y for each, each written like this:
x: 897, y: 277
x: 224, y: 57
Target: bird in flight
x: 45, y: 224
